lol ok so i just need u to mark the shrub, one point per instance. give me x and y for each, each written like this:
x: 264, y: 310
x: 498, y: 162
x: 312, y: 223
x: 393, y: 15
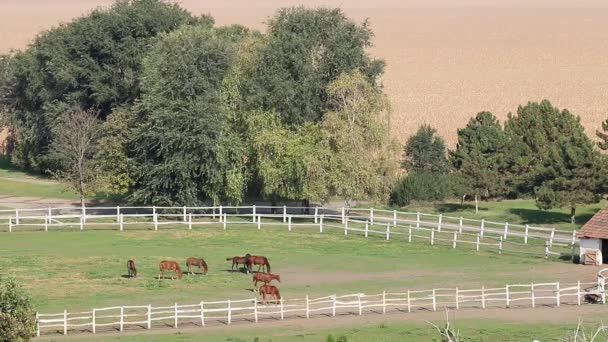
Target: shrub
x: 420, y: 186
x: 17, y: 322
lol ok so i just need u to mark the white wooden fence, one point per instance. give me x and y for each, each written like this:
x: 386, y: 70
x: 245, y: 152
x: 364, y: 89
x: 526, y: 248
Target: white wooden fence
x: 436, y: 229
x: 121, y: 318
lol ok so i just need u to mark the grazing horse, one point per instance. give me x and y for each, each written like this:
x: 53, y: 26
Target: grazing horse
x: 131, y: 268
x: 266, y: 278
x: 271, y: 291
x: 170, y: 266
x: 192, y: 261
x: 245, y: 261
x: 262, y: 263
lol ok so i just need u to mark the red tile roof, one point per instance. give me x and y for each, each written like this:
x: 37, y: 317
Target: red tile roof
x: 596, y: 227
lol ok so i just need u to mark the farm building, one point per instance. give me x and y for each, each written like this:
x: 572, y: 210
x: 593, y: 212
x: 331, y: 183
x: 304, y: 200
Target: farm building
x: 593, y: 237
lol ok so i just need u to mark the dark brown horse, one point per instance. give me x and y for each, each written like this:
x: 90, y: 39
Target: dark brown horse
x: 271, y: 291
x: 170, y: 266
x: 131, y: 268
x: 244, y: 260
x: 262, y: 263
x: 266, y: 278
x: 192, y: 261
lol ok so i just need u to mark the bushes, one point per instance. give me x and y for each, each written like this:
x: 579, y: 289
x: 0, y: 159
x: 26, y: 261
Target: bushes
x: 17, y: 322
x: 420, y: 186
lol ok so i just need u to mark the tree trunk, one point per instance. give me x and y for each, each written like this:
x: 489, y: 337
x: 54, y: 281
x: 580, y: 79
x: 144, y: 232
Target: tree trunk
x: 273, y: 204
x: 572, y: 215
x: 476, y: 204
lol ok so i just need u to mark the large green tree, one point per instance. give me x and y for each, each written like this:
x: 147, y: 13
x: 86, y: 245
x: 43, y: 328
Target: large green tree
x: 93, y: 62
x: 303, y: 52
x: 185, y: 147
x: 424, y: 152
x: 479, y: 158
x: 17, y: 320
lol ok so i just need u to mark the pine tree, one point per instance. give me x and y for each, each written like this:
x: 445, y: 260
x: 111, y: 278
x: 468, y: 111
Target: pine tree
x: 424, y: 152
x: 603, y: 144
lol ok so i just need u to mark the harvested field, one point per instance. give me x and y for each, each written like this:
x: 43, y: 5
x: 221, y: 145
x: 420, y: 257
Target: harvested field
x: 446, y: 59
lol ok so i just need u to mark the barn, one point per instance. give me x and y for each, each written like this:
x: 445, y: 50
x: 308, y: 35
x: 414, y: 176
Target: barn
x: 593, y: 238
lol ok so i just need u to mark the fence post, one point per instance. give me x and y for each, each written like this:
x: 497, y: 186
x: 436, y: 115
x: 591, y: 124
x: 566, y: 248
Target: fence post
x: 500, y: 245
x: 578, y: 293
x: 409, y: 234
x: 439, y: 223
x: 417, y: 219
x: 224, y: 221
x: 506, y: 231
x: 84, y: 214
x: 203, y: 309
x: 321, y: 224
x: 176, y: 316
x: 289, y: 222
x: 154, y: 216
x: 552, y: 236
x: 394, y: 218
x: 259, y: 222
x: 122, y: 318
x: 316, y: 214
x: 460, y: 226
x: 50, y: 214
x: 122, y: 223
x: 281, y: 305
x: 46, y: 223
x: 253, y: 213
x: 477, y: 243
x: 221, y: 213
x: 457, y: 299
x: 557, y: 298
x: 149, y: 316
x: 455, y: 238
x: 10, y: 224
x: 38, y: 326
x: 507, y: 295
x: 81, y: 222
x: 284, y: 214
x: 483, y: 223
x: 255, y: 309
x: 307, y: 307
x: 229, y: 312
x: 65, y: 322
x: 184, y: 215
x: 533, y: 295
x: 190, y: 221
x: 573, y: 239
x: 366, y: 228
x: 483, y: 297
x: 345, y: 227
x: 371, y: 215
x: 333, y: 310
x: 434, y: 301
x: 546, y: 250
x: 93, y: 320
x: 17, y: 216
x: 526, y: 234
x: 432, y: 236
x: 360, y: 306
x: 342, y: 215
x: 384, y: 302
x: 388, y: 232
x: 409, y: 305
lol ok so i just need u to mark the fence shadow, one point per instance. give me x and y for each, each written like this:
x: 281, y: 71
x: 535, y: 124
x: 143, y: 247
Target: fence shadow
x: 539, y: 216
x: 456, y: 207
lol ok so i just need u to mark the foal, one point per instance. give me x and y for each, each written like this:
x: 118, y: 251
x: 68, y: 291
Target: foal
x: 271, y: 291
x: 131, y: 268
x: 245, y: 261
x: 171, y: 266
x: 266, y: 278
x: 192, y: 261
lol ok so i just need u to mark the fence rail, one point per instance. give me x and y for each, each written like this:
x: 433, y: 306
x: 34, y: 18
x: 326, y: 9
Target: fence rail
x: 119, y: 318
x: 436, y: 229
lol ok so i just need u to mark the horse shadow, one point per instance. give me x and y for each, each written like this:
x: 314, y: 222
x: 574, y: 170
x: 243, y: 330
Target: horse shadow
x: 126, y: 276
x: 240, y: 270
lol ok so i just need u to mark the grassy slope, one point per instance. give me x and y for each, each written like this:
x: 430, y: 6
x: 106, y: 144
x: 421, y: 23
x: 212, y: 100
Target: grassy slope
x: 17, y: 183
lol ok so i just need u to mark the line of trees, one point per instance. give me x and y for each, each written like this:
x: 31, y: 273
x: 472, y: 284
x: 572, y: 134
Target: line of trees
x: 540, y: 152
x: 146, y: 100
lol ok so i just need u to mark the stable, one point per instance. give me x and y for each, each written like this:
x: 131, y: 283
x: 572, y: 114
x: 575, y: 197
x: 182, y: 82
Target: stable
x: 593, y: 238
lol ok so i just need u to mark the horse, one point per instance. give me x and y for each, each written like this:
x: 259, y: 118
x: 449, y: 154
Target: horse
x: 192, y: 261
x: 170, y: 266
x: 262, y: 263
x: 131, y: 268
x: 271, y: 291
x: 266, y: 278
x: 245, y: 260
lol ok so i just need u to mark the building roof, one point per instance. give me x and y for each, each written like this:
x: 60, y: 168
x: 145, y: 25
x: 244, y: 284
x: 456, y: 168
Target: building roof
x: 596, y: 227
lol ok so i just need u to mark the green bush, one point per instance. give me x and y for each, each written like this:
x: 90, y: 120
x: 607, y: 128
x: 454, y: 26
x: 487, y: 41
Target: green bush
x: 420, y: 187
x: 17, y: 320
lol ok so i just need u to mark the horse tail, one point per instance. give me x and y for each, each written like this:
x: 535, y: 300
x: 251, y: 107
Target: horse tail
x: 228, y: 259
x: 204, y: 264
x: 267, y: 264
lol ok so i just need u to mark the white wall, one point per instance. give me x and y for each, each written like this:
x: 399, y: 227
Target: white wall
x: 589, y: 245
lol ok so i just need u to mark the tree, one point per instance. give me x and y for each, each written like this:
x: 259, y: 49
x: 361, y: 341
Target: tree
x: 356, y: 130
x: 304, y: 51
x: 603, y: 143
x: 572, y: 173
x: 74, y: 147
x: 184, y: 146
x: 424, y: 152
x: 93, y: 62
x: 17, y: 317
x: 479, y: 157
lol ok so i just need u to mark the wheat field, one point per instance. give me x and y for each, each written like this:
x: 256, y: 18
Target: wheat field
x: 446, y: 59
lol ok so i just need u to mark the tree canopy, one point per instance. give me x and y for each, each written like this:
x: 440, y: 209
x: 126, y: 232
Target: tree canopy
x: 424, y: 152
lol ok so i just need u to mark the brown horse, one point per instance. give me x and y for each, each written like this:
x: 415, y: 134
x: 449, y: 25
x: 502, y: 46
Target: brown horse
x: 192, y: 261
x: 262, y: 263
x: 170, y: 266
x: 131, y: 268
x: 271, y: 291
x: 245, y: 261
x: 266, y: 278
